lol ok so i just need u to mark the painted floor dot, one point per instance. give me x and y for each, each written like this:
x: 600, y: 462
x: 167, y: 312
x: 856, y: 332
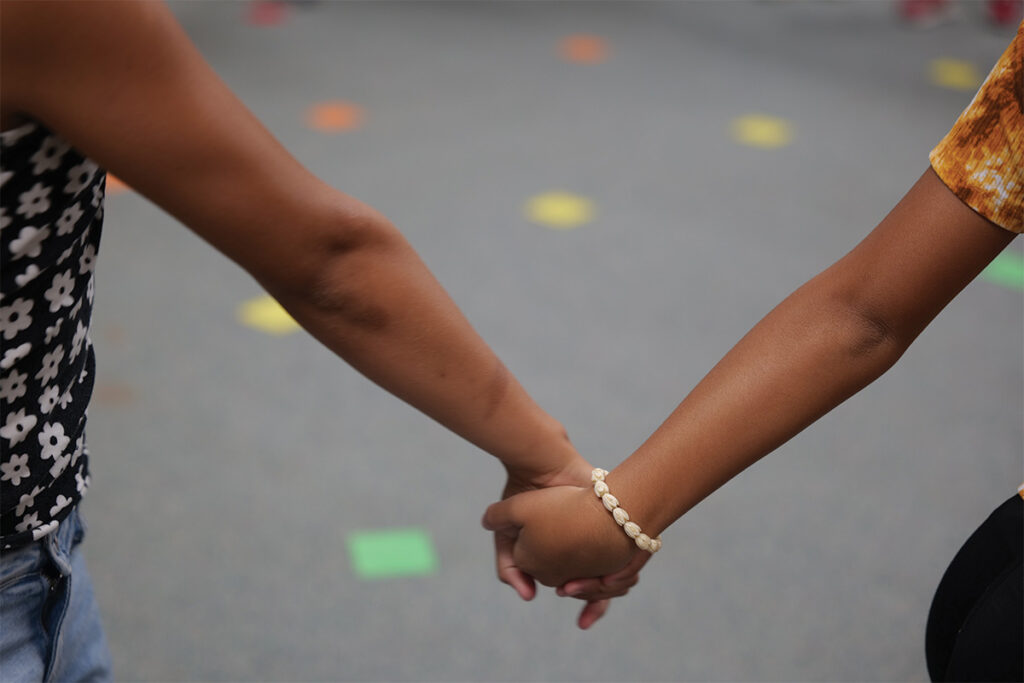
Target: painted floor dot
x: 583, y: 49
x: 954, y: 74
x: 1007, y: 270
x: 390, y: 553
x: 560, y: 210
x: 265, y: 314
x: 114, y: 394
x: 759, y: 130
x: 335, y: 117
x: 266, y: 13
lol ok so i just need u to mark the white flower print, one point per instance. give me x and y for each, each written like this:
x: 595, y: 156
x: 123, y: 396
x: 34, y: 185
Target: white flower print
x: 15, y: 469
x: 82, y: 483
x: 53, y: 330
x: 12, y: 356
x: 74, y: 311
x: 51, y: 365
x: 44, y: 530
x: 28, y: 522
x: 47, y: 157
x: 65, y: 255
x: 27, y: 500
x: 15, y: 318
x: 60, y: 463
x: 76, y: 343
x: 35, y: 201
x: 69, y: 219
x: 13, y: 135
x: 5, y: 220
x: 97, y: 195
x: 90, y: 290
x: 28, y: 276
x: 79, y: 176
x: 59, y: 294
x: 65, y: 399
x: 28, y: 242
x: 87, y: 261
x: 48, y: 401
x: 53, y: 440
x: 79, y: 449
x: 5, y: 176
x: 13, y: 386
x: 17, y: 427
x: 62, y: 502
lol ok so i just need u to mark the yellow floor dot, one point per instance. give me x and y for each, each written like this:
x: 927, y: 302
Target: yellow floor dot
x: 265, y: 314
x: 759, y: 130
x: 954, y: 74
x: 559, y: 210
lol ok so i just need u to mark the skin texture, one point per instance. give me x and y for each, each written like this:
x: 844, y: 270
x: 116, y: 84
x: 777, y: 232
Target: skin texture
x: 826, y: 341
x: 122, y: 83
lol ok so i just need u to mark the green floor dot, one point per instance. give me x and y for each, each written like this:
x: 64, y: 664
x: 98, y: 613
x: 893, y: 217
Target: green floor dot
x: 1007, y: 269
x: 391, y: 552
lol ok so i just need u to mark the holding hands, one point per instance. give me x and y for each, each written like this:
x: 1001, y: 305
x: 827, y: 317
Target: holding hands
x: 562, y: 535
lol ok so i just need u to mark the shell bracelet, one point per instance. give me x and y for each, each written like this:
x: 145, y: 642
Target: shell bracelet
x: 611, y: 503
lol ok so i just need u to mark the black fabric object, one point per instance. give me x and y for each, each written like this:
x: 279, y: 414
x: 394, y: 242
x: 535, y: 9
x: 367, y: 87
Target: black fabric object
x: 976, y: 624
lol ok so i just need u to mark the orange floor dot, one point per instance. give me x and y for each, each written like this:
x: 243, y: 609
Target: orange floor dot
x: 114, y: 394
x: 266, y: 12
x: 584, y: 49
x: 115, y: 185
x: 335, y: 117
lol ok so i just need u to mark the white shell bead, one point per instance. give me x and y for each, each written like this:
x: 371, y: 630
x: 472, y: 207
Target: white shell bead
x: 611, y: 503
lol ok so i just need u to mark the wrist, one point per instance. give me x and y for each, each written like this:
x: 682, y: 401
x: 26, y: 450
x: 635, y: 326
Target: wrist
x: 548, y: 458
x: 641, y: 501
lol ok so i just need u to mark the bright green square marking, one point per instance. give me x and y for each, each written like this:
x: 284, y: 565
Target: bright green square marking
x: 391, y: 552
x: 1007, y: 269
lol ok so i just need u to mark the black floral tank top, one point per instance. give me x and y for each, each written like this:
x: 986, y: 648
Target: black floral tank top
x: 51, y: 214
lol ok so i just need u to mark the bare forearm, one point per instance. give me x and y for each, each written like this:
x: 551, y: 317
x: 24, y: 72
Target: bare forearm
x: 806, y: 357
x: 374, y: 303
x: 829, y: 339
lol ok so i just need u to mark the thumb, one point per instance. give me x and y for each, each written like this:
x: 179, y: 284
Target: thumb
x: 503, y: 516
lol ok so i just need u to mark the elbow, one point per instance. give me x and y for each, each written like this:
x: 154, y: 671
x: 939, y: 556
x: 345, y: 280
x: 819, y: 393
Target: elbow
x: 337, y: 271
x: 872, y: 337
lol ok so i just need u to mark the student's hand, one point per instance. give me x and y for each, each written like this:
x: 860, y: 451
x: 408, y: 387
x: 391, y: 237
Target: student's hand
x: 557, y: 535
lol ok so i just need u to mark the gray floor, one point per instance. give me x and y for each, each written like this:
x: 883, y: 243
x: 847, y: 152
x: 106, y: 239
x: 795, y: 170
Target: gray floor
x: 230, y: 466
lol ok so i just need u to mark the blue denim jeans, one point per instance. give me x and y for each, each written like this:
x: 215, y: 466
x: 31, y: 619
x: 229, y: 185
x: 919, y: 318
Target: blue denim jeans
x: 50, y: 626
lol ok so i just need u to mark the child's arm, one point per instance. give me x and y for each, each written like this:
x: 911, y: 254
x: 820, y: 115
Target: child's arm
x: 825, y: 342
x: 122, y: 83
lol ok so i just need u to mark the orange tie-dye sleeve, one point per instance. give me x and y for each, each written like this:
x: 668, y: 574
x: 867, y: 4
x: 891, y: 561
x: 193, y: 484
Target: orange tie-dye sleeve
x: 982, y: 158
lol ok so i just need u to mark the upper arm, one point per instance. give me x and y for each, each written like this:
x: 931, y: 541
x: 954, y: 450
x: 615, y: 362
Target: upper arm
x: 929, y: 247
x: 122, y: 83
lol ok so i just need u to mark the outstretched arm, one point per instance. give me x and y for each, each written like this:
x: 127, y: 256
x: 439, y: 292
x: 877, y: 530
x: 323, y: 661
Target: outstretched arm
x: 122, y: 83
x: 826, y: 341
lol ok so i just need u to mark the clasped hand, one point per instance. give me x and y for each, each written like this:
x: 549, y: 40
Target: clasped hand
x: 562, y: 536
